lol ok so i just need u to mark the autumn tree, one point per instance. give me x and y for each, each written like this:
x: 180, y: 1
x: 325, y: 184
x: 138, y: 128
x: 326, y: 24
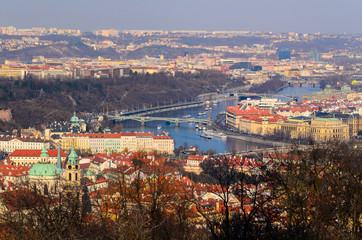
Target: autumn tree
x: 320, y: 188
x: 252, y: 215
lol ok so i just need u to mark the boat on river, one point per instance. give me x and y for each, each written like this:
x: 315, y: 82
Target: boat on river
x: 215, y: 134
x: 203, y: 135
x: 159, y: 127
x: 187, y: 116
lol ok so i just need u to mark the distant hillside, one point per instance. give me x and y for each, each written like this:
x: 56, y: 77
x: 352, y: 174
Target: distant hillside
x: 77, y: 49
x: 42, y: 101
x: 168, y: 52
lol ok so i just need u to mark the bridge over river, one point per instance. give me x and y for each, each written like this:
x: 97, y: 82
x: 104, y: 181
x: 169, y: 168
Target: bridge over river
x: 158, y: 109
x: 143, y: 120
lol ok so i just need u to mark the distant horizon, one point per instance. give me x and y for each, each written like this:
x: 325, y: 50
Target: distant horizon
x: 278, y: 16
x: 185, y: 30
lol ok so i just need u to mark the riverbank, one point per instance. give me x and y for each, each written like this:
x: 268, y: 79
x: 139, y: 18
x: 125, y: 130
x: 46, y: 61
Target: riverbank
x: 251, y: 139
x: 258, y: 140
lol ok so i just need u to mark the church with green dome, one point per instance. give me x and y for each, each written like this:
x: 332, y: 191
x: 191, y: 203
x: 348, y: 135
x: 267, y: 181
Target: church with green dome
x: 44, y: 175
x: 76, y: 122
x: 49, y: 178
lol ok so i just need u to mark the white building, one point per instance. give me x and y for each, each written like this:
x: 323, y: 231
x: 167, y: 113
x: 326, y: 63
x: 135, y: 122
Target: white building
x: 9, y: 143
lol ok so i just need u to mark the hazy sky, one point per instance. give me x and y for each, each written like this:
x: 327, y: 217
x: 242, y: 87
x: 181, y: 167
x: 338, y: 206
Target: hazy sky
x: 304, y: 16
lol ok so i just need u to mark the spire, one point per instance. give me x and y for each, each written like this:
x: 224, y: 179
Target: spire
x: 59, y: 160
x: 44, y: 152
x: 73, y: 157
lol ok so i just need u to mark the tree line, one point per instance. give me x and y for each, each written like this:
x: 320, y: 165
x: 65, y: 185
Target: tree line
x: 34, y: 101
x: 312, y: 192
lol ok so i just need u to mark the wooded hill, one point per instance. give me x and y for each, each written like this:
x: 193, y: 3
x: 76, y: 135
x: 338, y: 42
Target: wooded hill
x: 34, y: 102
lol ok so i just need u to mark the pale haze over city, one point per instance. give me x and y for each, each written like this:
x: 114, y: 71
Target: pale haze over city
x: 308, y: 16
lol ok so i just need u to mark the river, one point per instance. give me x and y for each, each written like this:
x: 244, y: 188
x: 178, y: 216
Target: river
x: 187, y: 134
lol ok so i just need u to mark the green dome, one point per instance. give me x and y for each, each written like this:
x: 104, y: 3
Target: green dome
x: 74, y: 119
x: 44, y: 169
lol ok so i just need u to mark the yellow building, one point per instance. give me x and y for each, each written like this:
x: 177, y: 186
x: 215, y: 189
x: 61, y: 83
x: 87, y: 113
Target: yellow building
x: 298, y: 127
x: 258, y: 125
x: 320, y: 129
x: 15, y: 73
x: 323, y: 129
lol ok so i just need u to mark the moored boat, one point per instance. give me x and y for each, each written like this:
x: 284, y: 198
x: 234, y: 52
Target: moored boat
x: 205, y: 136
x: 215, y: 134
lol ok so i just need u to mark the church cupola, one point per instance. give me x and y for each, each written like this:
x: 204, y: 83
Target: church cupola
x: 44, y: 156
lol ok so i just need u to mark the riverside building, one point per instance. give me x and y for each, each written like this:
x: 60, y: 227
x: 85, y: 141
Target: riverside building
x: 118, y: 142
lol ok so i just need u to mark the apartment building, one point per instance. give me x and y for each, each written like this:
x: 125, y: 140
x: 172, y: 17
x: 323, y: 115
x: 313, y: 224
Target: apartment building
x: 10, y: 143
x: 117, y: 142
x: 252, y: 119
x: 14, y: 73
x: 234, y: 114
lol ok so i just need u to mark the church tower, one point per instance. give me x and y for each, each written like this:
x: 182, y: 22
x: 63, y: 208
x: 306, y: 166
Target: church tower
x: 72, y: 170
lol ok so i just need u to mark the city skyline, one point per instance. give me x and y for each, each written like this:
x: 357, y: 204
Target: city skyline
x: 261, y: 15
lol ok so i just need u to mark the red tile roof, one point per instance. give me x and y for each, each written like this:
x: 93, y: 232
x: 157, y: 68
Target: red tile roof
x: 35, y: 153
x: 13, y: 170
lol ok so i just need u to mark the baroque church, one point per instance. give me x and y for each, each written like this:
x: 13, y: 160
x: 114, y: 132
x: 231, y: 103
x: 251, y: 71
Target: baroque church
x: 48, y: 178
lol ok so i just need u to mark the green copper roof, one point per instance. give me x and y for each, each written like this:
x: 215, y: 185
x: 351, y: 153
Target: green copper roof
x: 74, y: 119
x: 44, y: 169
x: 73, y: 157
x: 90, y: 173
x: 44, y: 152
x: 326, y: 119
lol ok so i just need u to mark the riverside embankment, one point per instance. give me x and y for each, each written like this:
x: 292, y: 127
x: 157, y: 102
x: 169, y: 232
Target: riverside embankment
x: 258, y: 140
